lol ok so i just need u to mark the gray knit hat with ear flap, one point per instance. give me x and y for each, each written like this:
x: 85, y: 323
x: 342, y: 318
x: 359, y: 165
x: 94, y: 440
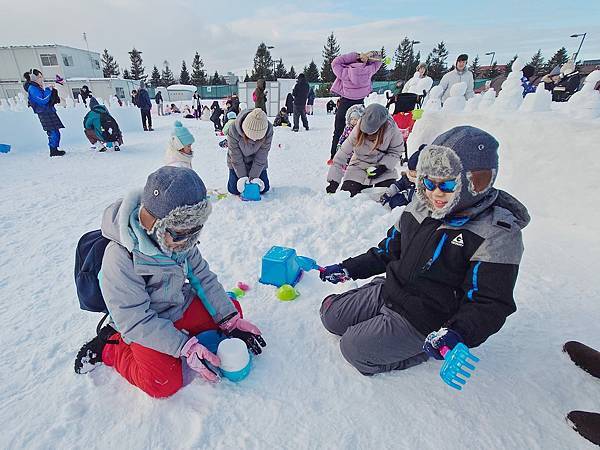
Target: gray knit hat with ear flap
x: 464, y: 153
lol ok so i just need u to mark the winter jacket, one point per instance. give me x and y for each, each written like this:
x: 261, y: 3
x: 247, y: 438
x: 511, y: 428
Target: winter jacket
x: 566, y: 87
x: 281, y: 119
x: 235, y: 104
x: 311, y: 97
x: 40, y: 101
x: 347, y: 130
x: 528, y: 88
x: 144, y: 289
x: 260, y: 95
x: 458, y: 274
x: 246, y: 157
x: 142, y: 99
x: 453, y: 77
x: 416, y: 85
x: 228, y: 125
x: 353, y: 77
x: 359, y: 159
x: 401, y: 192
x: 300, y: 94
x: 289, y: 103
x: 158, y: 98
x: 91, y: 121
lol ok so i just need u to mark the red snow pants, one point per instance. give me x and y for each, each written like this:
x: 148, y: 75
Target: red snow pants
x: 157, y: 374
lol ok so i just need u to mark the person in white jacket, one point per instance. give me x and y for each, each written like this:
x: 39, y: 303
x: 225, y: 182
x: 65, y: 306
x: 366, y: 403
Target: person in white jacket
x: 419, y: 82
x: 179, y: 150
x: 459, y: 74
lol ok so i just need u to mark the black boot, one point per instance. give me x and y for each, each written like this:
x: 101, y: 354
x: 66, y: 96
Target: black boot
x: 584, y: 357
x: 117, y: 148
x: 54, y: 151
x: 587, y: 424
x: 90, y: 355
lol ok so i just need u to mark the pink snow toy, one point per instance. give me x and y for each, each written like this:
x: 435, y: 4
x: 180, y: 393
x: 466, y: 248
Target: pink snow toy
x: 243, y: 286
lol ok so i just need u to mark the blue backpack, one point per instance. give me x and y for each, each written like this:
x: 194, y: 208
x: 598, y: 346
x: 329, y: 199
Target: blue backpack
x: 88, y: 263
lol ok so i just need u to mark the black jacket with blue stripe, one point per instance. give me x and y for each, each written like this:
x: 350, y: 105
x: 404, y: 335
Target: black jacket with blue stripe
x: 458, y: 274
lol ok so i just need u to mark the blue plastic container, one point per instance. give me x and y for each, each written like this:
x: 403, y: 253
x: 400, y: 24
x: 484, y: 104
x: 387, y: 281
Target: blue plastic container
x: 211, y: 339
x: 240, y: 374
x: 251, y: 192
x: 280, y: 266
x: 4, y: 148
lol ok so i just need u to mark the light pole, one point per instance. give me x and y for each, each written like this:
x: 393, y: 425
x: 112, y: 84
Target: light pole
x: 412, y: 44
x: 270, y: 47
x: 583, y: 35
x: 493, y: 56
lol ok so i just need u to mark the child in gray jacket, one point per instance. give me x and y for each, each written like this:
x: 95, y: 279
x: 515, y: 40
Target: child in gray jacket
x: 155, y: 312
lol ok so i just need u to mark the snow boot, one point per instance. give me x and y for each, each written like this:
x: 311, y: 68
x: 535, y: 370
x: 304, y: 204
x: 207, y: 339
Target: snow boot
x: 150, y: 129
x: 90, y: 355
x: 54, y: 151
x: 295, y: 130
x: 117, y: 148
x: 584, y: 357
x: 587, y: 424
x: 102, y: 149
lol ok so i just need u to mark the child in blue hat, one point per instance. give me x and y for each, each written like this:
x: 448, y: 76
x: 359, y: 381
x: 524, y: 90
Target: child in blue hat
x: 179, y: 151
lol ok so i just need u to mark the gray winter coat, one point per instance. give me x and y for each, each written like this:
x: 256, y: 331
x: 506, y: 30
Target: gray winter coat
x: 359, y: 159
x: 453, y: 77
x: 246, y: 157
x: 144, y: 289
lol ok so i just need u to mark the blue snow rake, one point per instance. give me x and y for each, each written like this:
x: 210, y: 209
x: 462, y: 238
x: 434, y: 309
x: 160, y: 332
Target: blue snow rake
x: 456, y: 361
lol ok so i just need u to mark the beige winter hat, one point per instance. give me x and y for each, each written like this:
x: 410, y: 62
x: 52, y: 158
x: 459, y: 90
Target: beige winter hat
x: 255, y: 124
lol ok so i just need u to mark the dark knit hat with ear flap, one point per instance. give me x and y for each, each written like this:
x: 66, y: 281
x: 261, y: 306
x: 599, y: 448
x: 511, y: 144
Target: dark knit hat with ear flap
x: 468, y: 155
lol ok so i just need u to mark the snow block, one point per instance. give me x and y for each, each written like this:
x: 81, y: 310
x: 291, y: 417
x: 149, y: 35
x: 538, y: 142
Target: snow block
x: 280, y: 266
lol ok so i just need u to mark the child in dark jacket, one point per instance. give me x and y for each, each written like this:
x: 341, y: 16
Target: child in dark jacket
x: 451, y: 263
x: 402, y: 191
x: 215, y: 117
x: 282, y: 118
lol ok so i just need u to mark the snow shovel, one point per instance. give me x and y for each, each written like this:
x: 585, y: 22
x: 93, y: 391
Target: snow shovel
x: 456, y: 361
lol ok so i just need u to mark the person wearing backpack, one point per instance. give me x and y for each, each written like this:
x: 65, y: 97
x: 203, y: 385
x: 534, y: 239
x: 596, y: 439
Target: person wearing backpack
x: 150, y: 252
x: 100, y: 126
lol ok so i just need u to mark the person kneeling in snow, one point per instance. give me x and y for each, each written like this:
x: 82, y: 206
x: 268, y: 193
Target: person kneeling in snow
x: 451, y: 263
x: 248, y: 144
x: 179, y: 151
x: 101, y: 127
x: 370, y: 154
x: 155, y: 314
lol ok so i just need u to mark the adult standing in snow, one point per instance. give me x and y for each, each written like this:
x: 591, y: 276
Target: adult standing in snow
x: 451, y: 263
x: 235, y: 104
x: 458, y: 74
x: 215, y: 116
x: 370, y: 154
x: 142, y: 100
x: 42, y: 100
x: 249, y: 143
x: 353, y: 72
x: 289, y: 103
x: 310, y: 102
x: 420, y: 83
x: 300, y: 93
x: 260, y: 95
x: 159, y: 103
x: 155, y: 312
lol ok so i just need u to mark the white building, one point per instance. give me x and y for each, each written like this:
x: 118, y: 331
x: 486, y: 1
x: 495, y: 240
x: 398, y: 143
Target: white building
x: 78, y: 67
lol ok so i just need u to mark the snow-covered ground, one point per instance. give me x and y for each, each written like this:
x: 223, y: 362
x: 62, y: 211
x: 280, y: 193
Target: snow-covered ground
x: 301, y: 393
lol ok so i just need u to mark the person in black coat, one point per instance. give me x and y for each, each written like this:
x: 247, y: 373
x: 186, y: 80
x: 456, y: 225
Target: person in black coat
x: 289, y: 103
x: 310, y: 101
x: 142, y: 101
x: 84, y: 93
x: 215, y: 116
x: 300, y: 94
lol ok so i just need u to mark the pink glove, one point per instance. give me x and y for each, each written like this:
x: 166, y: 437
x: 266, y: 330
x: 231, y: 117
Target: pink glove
x: 246, y: 331
x: 197, y: 355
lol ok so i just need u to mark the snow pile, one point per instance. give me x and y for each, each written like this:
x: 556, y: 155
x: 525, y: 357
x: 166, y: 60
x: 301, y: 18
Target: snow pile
x: 511, y: 95
x: 585, y: 104
x: 538, y: 101
x: 300, y: 393
x: 456, y: 101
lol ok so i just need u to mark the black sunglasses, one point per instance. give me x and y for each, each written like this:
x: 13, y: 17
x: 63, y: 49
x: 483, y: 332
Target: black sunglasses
x: 182, y: 236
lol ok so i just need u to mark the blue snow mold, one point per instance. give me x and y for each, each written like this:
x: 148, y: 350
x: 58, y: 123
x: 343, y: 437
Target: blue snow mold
x: 280, y: 266
x: 4, y: 148
x: 211, y: 339
x: 251, y: 192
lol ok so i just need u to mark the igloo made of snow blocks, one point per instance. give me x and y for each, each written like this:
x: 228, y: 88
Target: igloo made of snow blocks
x: 280, y: 266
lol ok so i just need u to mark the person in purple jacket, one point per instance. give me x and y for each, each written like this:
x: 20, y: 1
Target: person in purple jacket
x: 353, y: 73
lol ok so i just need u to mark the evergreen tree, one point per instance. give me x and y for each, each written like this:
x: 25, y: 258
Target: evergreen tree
x: 110, y: 68
x: 167, y: 77
x: 312, y: 73
x: 217, y: 79
x: 493, y: 71
x: 382, y: 73
x: 475, y: 67
x: 402, y: 59
x: 509, y: 64
x: 331, y: 50
x: 416, y: 60
x: 263, y: 64
x: 537, y: 62
x: 292, y: 73
x: 198, y: 77
x: 137, y: 65
x: 280, y: 71
x: 560, y: 57
x: 184, y: 76
x: 126, y: 74
x: 437, y: 61
x: 247, y: 78
x: 155, y: 77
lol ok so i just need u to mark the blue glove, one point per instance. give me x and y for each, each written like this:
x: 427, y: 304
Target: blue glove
x: 435, y: 340
x: 334, y: 274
